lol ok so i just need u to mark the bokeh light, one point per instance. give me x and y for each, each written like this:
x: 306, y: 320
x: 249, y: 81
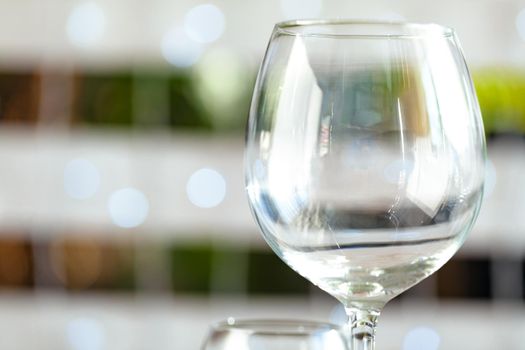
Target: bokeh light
x: 128, y: 207
x: 520, y: 23
x: 85, y: 334
x: 421, y: 338
x: 206, y: 188
x: 204, y: 23
x: 81, y: 179
x: 293, y: 9
x: 86, y: 24
x: 221, y: 83
x: 179, y: 49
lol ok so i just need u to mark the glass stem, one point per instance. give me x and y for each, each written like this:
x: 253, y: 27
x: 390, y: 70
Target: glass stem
x: 362, y: 327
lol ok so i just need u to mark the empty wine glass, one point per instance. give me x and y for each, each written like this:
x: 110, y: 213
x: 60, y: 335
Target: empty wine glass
x: 275, y: 335
x: 365, y: 157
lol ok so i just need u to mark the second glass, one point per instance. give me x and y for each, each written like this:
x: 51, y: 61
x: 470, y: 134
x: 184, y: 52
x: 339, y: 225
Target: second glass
x: 274, y: 335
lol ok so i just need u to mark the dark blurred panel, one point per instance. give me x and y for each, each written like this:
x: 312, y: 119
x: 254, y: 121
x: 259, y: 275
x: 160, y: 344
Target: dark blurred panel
x: 58, y: 89
x: 151, y: 99
x: 468, y: 279
x: 81, y: 263
x: 104, y: 98
x: 45, y: 265
x: 268, y: 274
x: 506, y: 278
x: 191, y: 269
x: 523, y: 279
x: 16, y: 263
x: 229, y: 269
x: 425, y: 289
x: 185, y: 110
x: 19, y: 97
x: 87, y: 264
x: 118, y: 271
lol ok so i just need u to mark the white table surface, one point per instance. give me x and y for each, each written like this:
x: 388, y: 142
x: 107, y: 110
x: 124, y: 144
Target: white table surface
x: 57, y: 321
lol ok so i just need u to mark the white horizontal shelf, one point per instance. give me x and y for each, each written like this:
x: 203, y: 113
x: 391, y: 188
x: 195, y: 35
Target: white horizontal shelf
x: 32, y: 193
x: 160, y: 164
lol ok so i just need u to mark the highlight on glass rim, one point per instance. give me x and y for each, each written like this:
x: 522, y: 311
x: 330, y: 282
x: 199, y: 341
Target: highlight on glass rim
x: 289, y: 174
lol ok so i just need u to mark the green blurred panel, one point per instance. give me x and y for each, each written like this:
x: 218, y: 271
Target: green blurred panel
x: 501, y: 95
x: 191, y: 269
x: 185, y: 111
x: 151, y: 99
x: 230, y: 268
x: 267, y: 274
x: 105, y: 99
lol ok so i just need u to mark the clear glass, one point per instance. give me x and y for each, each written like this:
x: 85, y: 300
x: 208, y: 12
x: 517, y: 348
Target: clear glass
x: 274, y: 335
x: 365, y: 157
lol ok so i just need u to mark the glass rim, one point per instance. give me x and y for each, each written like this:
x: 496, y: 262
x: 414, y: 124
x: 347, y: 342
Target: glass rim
x: 273, y: 326
x: 412, y: 29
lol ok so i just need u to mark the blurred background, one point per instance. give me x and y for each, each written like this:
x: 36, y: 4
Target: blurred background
x: 123, y: 219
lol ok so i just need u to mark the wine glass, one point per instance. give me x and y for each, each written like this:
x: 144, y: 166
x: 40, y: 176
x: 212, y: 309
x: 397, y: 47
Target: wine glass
x: 275, y: 335
x: 364, y: 159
